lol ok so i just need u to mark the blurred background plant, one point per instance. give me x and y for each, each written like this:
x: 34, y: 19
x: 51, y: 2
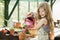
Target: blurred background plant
x: 25, y: 29
x: 24, y: 25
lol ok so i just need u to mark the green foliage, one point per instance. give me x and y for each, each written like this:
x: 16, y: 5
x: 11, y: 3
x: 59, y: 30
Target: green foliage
x: 1, y: 1
x: 27, y: 31
x: 24, y: 26
x: 11, y: 28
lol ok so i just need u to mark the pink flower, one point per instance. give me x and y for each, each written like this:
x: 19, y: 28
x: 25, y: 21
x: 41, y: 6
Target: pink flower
x: 27, y: 23
x: 23, y: 30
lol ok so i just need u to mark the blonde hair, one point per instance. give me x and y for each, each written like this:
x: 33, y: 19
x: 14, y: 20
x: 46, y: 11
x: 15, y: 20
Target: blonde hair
x: 48, y: 15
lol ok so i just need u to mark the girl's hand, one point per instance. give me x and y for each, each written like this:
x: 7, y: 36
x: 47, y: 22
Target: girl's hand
x: 51, y: 36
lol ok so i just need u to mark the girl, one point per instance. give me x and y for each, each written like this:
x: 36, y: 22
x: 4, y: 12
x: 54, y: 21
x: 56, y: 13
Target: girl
x: 44, y: 24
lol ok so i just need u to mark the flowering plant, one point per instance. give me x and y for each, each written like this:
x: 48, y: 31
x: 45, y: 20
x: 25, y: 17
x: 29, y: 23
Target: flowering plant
x: 25, y: 30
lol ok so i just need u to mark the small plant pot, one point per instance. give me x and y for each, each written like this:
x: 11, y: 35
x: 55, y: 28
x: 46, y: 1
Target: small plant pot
x: 11, y: 32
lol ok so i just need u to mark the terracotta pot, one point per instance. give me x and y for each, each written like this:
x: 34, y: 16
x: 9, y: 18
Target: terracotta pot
x: 18, y: 25
x: 11, y: 32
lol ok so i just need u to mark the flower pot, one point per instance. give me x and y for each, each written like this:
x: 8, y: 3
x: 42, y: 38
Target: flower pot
x: 18, y: 25
x: 12, y: 32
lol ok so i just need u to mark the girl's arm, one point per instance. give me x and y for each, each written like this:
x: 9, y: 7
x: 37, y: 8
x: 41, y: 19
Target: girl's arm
x: 40, y: 23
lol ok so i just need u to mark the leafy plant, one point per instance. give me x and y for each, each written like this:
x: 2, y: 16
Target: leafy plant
x: 11, y: 28
x: 24, y: 26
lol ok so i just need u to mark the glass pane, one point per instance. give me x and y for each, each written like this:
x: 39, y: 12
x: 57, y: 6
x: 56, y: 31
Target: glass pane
x: 56, y: 10
x: 1, y: 14
x: 14, y: 16
x: 23, y: 9
x: 11, y: 5
x: 33, y: 6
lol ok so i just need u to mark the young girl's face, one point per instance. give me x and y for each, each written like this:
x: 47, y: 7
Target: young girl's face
x: 42, y: 12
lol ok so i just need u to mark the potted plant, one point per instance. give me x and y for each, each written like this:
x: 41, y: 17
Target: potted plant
x: 11, y: 31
